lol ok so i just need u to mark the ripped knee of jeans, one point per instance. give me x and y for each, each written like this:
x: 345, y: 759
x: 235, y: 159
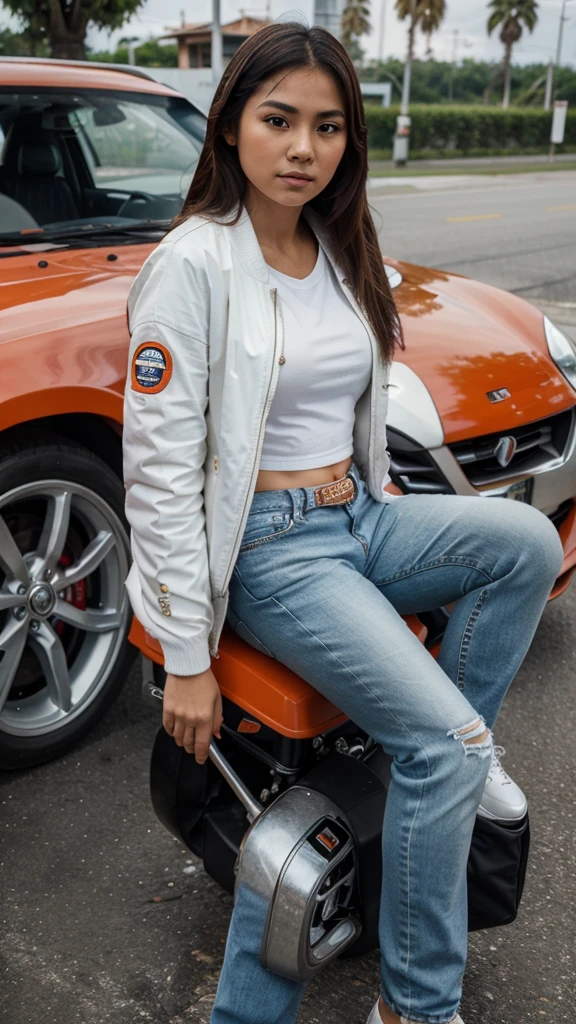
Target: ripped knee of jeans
x: 475, y: 737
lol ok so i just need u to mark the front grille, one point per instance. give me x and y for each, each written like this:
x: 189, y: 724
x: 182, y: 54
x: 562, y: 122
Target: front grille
x: 537, y: 444
x: 413, y: 469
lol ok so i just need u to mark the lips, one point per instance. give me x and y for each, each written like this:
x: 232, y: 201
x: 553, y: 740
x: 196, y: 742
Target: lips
x: 301, y: 177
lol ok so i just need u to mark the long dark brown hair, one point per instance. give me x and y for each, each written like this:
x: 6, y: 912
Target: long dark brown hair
x: 219, y: 184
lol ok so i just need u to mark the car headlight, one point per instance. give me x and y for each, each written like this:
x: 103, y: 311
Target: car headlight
x: 562, y: 350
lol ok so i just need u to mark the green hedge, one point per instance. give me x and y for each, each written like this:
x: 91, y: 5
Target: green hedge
x: 383, y: 155
x: 444, y: 128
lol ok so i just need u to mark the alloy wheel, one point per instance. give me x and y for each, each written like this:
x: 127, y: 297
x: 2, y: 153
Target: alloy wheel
x: 63, y: 606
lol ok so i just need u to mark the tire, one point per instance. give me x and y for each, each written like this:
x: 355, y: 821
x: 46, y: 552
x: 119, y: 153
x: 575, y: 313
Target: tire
x: 64, y: 611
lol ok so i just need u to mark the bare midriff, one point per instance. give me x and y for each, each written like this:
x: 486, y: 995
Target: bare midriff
x: 278, y: 479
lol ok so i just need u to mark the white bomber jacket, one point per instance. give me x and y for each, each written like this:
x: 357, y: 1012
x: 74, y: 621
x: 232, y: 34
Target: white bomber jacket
x: 206, y: 339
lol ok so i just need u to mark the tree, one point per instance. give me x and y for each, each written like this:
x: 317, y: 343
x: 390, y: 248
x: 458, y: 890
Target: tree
x: 431, y: 20
x: 513, y: 16
x: 427, y: 15
x: 355, y: 23
x: 21, y: 44
x: 473, y: 80
x: 64, y: 23
x: 150, y: 54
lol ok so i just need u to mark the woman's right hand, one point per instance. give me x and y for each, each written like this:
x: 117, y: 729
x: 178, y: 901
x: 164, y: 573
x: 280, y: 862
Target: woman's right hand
x: 192, y: 711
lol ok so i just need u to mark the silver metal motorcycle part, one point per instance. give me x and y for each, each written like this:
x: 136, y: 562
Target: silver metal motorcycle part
x: 299, y: 856
x: 153, y: 695
x: 253, y: 808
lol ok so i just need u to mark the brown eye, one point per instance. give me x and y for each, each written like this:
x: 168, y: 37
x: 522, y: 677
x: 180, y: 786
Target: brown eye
x: 335, y: 128
x: 276, y: 117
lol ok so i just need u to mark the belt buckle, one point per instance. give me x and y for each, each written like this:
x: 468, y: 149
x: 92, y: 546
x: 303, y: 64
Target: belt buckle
x: 334, y: 493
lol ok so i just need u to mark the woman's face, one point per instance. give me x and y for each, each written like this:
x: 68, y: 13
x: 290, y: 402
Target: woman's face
x: 293, y: 125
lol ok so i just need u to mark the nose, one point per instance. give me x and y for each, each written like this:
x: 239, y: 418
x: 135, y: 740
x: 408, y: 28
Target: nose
x: 300, y: 147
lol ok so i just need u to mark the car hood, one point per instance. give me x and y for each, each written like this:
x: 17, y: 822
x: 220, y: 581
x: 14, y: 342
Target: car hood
x: 465, y: 339
x: 60, y: 289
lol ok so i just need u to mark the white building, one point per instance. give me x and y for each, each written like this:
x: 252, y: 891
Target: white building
x: 328, y: 13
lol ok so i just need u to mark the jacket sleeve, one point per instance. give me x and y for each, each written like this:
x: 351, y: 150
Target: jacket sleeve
x: 164, y: 450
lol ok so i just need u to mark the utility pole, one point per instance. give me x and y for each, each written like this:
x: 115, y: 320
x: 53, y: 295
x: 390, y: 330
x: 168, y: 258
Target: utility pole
x: 563, y: 19
x: 382, y: 25
x: 408, y: 67
x: 549, y: 83
x: 130, y: 42
x: 402, y: 136
x: 216, y: 44
x: 454, y: 58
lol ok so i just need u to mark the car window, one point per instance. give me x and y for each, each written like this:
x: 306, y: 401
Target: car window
x: 137, y: 146
x: 74, y: 161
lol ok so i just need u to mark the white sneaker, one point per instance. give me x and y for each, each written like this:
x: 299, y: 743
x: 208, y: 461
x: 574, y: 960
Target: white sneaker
x: 502, y: 800
x: 375, y: 1018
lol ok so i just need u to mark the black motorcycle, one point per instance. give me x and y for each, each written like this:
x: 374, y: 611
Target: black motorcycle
x: 291, y: 800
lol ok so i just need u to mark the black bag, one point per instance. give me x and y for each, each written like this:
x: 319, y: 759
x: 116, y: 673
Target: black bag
x: 496, y: 871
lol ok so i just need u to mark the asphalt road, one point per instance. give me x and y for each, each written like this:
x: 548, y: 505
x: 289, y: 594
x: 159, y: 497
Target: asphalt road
x: 106, y: 919
x: 517, y: 232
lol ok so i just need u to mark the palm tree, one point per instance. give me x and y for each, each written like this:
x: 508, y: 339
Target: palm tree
x: 513, y: 16
x: 425, y: 14
x: 355, y: 23
x: 431, y: 20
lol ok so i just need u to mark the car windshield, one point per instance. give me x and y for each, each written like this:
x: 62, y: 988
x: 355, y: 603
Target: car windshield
x: 72, y: 159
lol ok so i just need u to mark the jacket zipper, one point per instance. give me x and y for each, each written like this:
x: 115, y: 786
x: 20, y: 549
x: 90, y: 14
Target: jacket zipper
x: 269, y: 396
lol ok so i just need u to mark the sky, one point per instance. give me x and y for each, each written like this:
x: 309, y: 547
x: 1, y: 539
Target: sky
x: 467, y: 18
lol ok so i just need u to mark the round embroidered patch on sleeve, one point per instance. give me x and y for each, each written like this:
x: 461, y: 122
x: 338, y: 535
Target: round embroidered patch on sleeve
x: 151, y: 368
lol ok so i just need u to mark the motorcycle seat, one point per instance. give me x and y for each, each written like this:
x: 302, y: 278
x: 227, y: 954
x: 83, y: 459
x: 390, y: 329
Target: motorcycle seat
x: 265, y: 688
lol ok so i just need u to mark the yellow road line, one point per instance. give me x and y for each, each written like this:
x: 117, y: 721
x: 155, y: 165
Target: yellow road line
x: 571, y: 206
x: 475, y: 216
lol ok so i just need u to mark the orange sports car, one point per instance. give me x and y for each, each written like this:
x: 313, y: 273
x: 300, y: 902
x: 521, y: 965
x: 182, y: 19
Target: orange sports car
x: 95, y: 163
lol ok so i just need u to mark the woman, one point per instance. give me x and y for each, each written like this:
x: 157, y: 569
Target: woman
x: 257, y: 488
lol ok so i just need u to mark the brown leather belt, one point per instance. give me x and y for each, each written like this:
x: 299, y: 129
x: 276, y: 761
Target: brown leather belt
x: 339, y: 492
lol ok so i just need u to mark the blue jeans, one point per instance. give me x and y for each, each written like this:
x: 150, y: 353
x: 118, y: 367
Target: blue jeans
x: 322, y: 589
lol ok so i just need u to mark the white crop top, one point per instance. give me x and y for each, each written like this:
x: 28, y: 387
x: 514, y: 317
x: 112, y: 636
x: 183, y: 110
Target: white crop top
x: 328, y: 364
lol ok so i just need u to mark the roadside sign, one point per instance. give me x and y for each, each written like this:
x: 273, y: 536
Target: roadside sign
x: 559, y: 122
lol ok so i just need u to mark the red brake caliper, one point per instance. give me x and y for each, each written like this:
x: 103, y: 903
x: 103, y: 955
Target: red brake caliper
x: 75, y: 594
